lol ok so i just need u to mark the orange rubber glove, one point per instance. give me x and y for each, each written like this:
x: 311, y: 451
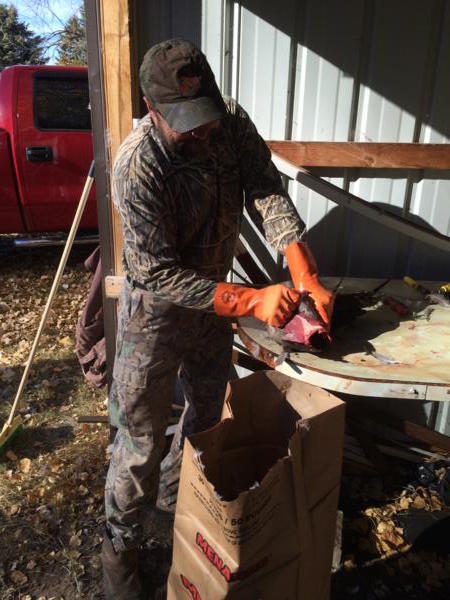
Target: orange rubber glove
x: 305, y: 277
x: 274, y: 304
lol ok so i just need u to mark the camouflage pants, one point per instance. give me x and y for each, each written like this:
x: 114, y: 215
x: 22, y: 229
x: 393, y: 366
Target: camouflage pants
x: 158, y: 345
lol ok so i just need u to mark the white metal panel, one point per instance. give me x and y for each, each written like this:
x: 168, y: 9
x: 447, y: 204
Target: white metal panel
x: 322, y: 108
x: 391, y: 95
x: 299, y: 66
x: 327, y: 57
x: 264, y: 70
x: 158, y: 21
x: 264, y: 53
x: 213, y: 16
x: 320, y: 52
x: 430, y: 197
x: 393, y: 80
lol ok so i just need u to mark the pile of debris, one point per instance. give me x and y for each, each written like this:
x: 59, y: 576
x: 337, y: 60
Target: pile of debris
x: 395, y: 496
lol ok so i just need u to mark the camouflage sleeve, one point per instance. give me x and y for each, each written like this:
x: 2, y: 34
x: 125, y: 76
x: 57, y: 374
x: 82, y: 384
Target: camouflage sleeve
x: 268, y: 204
x: 150, y: 238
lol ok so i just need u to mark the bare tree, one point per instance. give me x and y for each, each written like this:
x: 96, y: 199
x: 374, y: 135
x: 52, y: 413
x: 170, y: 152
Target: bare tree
x: 53, y: 19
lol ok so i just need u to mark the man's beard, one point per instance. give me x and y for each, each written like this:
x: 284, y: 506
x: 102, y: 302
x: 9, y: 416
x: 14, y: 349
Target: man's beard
x: 193, y: 147
x: 189, y: 147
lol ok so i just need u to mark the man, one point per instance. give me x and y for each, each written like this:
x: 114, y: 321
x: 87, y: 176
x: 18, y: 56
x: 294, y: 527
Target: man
x: 180, y: 181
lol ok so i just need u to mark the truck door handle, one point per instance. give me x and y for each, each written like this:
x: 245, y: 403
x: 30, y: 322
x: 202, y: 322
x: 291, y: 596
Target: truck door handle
x: 39, y: 153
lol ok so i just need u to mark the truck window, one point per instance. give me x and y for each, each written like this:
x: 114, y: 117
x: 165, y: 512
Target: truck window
x: 61, y: 103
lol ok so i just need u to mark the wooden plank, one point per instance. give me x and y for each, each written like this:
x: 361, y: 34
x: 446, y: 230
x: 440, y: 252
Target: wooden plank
x: 398, y: 452
x: 364, y: 155
x: 362, y: 207
x: 414, y: 431
x: 93, y: 419
x: 246, y: 361
x: 117, y: 56
x: 368, y: 445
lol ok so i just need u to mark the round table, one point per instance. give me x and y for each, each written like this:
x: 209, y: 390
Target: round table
x: 357, y: 361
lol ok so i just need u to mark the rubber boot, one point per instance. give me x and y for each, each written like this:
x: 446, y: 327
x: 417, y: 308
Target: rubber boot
x: 120, y: 573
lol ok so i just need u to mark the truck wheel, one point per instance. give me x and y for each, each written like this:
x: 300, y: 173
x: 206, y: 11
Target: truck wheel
x: 6, y: 244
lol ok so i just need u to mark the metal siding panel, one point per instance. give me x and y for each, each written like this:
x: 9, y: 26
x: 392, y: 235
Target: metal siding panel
x: 263, y: 79
x: 263, y: 74
x: 249, y: 64
x: 247, y: 60
x: 159, y: 21
x: 185, y: 19
x: 322, y: 110
x: 393, y: 83
x: 390, y: 100
x: 329, y: 40
x: 430, y: 195
x: 443, y: 418
x: 430, y: 202
x: 436, y: 128
x: 280, y: 87
x: 212, y: 36
x: 325, y: 79
x: 392, y: 88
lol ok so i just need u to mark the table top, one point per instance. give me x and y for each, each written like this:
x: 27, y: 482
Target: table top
x: 379, y: 354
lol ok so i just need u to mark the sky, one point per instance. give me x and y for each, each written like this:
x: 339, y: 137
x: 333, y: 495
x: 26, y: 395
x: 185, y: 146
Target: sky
x: 45, y: 16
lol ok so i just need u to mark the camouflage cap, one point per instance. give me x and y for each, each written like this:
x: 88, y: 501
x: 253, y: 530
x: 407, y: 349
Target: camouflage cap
x: 177, y: 80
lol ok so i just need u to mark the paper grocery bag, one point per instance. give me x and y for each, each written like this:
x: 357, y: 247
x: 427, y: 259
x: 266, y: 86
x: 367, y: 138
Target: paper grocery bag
x: 257, y: 500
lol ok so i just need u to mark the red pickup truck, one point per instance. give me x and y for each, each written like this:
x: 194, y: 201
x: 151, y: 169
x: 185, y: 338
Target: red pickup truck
x: 45, y: 148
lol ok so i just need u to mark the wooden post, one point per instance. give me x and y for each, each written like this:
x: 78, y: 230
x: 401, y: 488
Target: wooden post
x: 118, y: 80
x: 111, y: 68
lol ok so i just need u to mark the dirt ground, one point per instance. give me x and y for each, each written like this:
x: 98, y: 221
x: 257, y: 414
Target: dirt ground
x: 51, y: 480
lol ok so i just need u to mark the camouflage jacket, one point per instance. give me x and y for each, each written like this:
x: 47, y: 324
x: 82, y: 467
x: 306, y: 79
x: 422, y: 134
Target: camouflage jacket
x: 181, y: 217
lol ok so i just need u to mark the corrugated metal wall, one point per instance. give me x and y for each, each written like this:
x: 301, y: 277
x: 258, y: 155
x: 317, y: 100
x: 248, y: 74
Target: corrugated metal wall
x: 363, y: 70
x: 368, y: 70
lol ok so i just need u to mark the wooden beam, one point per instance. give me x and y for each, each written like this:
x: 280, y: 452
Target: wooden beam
x: 246, y: 361
x: 364, y: 155
x: 426, y: 436
x: 93, y: 419
x: 368, y: 446
x: 118, y: 83
x: 360, y: 206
